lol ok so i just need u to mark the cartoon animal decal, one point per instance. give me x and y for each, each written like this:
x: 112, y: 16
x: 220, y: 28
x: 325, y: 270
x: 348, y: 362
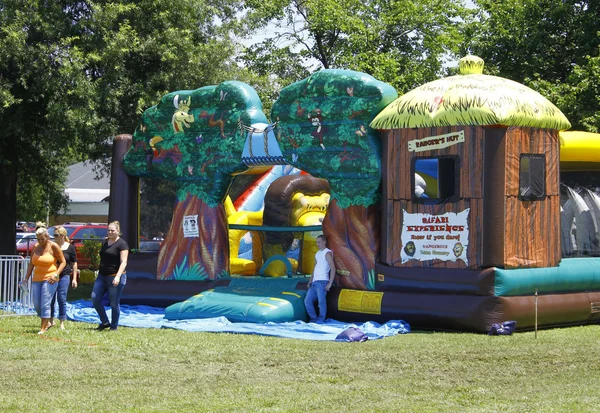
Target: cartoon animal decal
x: 316, y: 119
x: 308, y: 209
x: 153, y: 141
x: 181, y: 117
x: 152, y: 151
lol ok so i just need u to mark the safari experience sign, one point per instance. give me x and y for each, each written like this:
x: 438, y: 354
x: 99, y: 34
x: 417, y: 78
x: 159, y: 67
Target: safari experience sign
x: 426, y: 237
x: 436, y: 142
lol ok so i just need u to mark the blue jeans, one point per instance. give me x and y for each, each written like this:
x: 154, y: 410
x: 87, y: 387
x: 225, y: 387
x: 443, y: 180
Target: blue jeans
x: 316, y: 291
x: 61, y: 295
x: 101, y: 286
x: 42, y: 292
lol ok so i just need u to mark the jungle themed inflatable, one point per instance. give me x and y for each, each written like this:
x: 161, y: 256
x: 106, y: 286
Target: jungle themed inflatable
x: 460, y: 204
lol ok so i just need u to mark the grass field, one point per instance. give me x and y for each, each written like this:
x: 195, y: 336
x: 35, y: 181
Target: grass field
x: 148, y: 370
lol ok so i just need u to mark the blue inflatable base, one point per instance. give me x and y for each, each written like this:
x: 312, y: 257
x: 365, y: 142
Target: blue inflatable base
x: 141, y: 316
x: 246, y: 300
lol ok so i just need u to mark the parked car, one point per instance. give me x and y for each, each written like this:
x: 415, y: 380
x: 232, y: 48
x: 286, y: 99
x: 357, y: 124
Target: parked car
x: 147, y: 245
x: 25, y: 226
x: 77, y: 232
x: 25, y: 242
x: 21, y: 235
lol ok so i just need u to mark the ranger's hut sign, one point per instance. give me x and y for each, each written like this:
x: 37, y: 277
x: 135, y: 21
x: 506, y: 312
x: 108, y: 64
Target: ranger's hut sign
x: 436, y: 142
x: 426, y: 237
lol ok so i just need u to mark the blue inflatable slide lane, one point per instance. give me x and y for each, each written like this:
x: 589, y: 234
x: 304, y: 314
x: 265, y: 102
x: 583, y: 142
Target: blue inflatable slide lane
x: 245, y: 300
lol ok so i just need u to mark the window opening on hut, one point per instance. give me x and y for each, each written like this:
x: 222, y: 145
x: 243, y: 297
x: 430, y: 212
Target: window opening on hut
x: 435, y: 180
x: 532, y: 177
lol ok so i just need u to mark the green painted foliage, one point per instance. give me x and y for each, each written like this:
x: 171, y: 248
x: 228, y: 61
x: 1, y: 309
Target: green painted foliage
x: 324, y: 130
x: 371, y: 280
x: 193, y: 137
x: 199, y: 143
x: 184, y: 272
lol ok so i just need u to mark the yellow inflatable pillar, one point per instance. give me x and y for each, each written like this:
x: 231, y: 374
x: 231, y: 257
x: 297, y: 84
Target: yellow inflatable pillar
x: 238, y: 265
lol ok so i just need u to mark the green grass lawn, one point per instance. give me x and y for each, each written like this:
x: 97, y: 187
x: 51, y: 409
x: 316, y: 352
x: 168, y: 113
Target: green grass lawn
x: 149, y: 370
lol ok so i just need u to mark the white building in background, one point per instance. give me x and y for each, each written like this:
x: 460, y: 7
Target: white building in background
x: 88, y: 196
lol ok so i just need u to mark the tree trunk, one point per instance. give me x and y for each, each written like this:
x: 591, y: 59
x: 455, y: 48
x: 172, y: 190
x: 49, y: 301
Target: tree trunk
x: 8, y: 200
x: 210, y: 250
x: 353, y: 234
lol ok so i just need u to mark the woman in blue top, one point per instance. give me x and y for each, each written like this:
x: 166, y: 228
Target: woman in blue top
x: 111, y: 276
x: 67, y: 276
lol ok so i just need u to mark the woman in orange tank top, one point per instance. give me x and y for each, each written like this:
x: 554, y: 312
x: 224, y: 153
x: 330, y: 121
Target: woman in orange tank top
x: 44, y: 257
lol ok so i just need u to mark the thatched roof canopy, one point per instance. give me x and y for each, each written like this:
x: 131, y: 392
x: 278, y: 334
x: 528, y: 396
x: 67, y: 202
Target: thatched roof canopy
x: 471, y: 98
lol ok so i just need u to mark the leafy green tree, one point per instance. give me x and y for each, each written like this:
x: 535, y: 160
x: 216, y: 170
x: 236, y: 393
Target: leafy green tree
x: 268, y: 69
x: 40, y: 107
x: 91, y: 250
x: 35, y: 200
x: 578, y: 96
x: 401, y: 42
x: 75, y: 73
x: 550, y: 45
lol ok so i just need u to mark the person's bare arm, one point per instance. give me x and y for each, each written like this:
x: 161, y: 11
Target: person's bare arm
x: 329, y: 258
x: 74, y: 273
x: 124, y: 254
x: 60, y: 257
x: 29, y: 271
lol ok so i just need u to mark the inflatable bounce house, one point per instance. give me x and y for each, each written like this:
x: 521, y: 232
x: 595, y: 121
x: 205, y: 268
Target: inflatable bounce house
x: 456, y: 206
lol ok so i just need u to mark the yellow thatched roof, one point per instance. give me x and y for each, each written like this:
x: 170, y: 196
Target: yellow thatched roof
x: 471, y: 98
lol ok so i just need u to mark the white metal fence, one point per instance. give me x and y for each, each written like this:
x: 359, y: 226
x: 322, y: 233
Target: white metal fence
x: 14, y: 300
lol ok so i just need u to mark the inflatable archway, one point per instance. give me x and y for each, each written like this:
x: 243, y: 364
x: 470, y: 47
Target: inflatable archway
x: 202, y: 138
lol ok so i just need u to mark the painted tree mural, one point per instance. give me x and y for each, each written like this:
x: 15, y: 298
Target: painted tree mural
x: 196, y: 138
x: 323, y: 128
x: 193, y: 137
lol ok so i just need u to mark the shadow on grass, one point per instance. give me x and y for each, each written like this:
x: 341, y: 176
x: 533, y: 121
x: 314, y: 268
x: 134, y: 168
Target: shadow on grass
x: 437, y: 331
x: 82, y: 292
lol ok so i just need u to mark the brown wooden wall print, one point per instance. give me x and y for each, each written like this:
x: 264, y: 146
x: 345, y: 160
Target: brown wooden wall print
x: 532, y: 229
x: 503, y: 229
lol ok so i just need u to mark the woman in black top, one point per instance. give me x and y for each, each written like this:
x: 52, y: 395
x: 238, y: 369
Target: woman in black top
x: 70, y: 270
x: 111, y: 276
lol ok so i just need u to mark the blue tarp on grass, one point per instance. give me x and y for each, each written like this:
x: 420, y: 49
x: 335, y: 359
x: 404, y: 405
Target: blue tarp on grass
x: 142, y: 316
